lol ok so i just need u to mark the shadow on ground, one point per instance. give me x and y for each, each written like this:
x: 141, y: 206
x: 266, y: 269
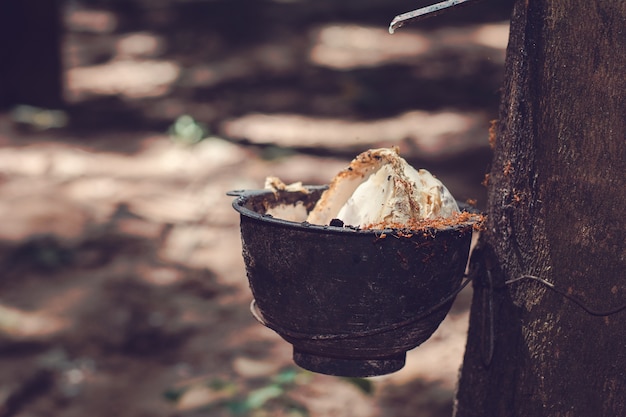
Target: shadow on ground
x: 123, y: 289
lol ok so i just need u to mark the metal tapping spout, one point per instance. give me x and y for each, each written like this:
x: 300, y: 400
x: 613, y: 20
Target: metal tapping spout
x: 428, y: 11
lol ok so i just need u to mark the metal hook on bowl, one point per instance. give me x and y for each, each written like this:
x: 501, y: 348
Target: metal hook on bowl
x: 423, y: 13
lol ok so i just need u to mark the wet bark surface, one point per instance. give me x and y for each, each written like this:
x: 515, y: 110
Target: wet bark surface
x: 556, y: 193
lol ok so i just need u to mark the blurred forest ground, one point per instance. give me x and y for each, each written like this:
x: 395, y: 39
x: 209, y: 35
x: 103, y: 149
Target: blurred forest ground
x: 123, y: 290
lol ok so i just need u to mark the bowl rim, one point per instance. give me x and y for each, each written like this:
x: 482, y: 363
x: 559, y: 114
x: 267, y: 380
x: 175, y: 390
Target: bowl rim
x: 243, y: 196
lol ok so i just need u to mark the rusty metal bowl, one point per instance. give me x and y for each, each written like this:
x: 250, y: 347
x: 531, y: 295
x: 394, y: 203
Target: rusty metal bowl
x: 351, y: 302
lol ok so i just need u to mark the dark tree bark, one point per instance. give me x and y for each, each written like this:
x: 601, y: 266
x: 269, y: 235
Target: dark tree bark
x: 557, y: 192
x: 30, y: 53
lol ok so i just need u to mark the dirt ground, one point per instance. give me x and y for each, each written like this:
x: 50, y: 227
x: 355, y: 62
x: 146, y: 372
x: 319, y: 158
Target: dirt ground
x: 123, y: 290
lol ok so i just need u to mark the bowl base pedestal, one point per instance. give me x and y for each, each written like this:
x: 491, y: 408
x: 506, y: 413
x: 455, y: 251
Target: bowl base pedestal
x: 357, y: 368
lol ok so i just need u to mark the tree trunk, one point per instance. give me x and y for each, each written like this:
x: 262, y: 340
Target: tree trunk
x: 557, y: 193
x: 30, y: 53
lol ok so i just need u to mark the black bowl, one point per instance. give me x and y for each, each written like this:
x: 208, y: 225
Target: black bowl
x: 351, y: 301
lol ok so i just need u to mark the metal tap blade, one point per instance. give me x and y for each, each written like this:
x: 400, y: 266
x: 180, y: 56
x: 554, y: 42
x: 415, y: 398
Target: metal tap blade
x: 423, y: 13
